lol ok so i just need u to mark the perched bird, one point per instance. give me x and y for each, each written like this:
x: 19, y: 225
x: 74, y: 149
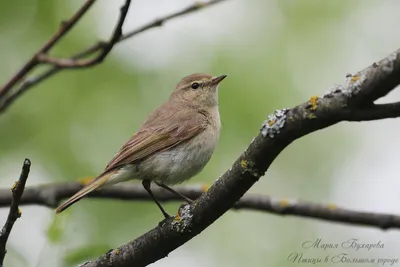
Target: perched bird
x: 173, y: 145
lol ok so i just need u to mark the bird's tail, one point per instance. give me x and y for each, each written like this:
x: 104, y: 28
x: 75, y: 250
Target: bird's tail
x: 95, y: 184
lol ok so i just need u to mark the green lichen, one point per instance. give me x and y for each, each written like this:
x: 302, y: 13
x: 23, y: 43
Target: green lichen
x: 244, y: 163
x: 311, y: 116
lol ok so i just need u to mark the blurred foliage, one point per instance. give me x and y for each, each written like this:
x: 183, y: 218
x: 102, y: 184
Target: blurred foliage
x: 74, y: 122
x: 79, y: 255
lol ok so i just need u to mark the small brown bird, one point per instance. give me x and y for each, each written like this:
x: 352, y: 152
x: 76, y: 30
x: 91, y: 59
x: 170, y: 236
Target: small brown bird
x: 173, y: 145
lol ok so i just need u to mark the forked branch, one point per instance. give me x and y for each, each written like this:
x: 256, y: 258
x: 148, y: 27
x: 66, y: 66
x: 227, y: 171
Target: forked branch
x: 88, y: 57
x: 17, y: 191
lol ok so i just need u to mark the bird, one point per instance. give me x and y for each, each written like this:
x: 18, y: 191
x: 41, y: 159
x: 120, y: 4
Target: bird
x: 174, y: 144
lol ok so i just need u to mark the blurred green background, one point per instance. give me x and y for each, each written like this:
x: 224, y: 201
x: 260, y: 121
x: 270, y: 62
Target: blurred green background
x: 277, y: 54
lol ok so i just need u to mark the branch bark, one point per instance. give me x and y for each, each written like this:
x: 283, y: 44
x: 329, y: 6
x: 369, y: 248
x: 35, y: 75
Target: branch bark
x: 351, y: 101
x: 17, y: 191
x: 51, y: 194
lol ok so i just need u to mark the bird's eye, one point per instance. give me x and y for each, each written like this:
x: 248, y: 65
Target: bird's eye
x: 195, y: 85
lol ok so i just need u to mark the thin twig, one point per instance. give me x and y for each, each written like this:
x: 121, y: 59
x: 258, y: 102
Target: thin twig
x: 73, y: 62
x: 33, y: 62
x: 59, y: 64
x: 17, y: 191
x: 51, y: 194
x: 105, y: 47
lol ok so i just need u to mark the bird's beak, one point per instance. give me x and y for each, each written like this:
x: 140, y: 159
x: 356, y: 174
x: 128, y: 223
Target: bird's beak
x: 218, y: 79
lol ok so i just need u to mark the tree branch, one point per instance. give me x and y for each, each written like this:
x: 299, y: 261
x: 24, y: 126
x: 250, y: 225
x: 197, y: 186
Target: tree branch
x: 105, y: 47
x: 33, y: 62
x: 78, y: 60
x: 375, y: 112
x: 17, y: 191
x: 50, y: 195
x: 277, y: 132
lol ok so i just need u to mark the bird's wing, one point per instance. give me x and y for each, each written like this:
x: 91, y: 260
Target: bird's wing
x: 160, y: 132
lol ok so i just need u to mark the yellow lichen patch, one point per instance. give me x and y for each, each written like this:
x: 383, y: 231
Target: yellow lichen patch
x: 201, y: 4
x: 311, y: 116
x: 177, y: 217
x: 205, y: 187
x: 331, y: 206
x: 14, y: 186
x: 355, y: 78
x: 244, y: 163
x: 271, y: 122
x: 19, y: 213
x: 284, y: 203
x: 291, y: 118
x: 313, y: 102
x: 116, y: 251
x: 85, y: 180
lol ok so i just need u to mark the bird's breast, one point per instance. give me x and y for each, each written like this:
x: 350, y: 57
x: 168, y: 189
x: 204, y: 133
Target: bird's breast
x: 182, y: 162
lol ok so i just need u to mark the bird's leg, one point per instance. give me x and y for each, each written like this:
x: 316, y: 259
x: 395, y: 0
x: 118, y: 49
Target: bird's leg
x: 146, y: 184
x: 188, y: 200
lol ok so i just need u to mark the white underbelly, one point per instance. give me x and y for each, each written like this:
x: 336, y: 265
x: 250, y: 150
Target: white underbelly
x: 180, y: 163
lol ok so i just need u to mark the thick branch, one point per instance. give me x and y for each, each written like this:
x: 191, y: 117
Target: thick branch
x: 50, y: 196
x: 374, y: 112
x: 59, y: 64
x: 281, y: 129
x: 17, y: 191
